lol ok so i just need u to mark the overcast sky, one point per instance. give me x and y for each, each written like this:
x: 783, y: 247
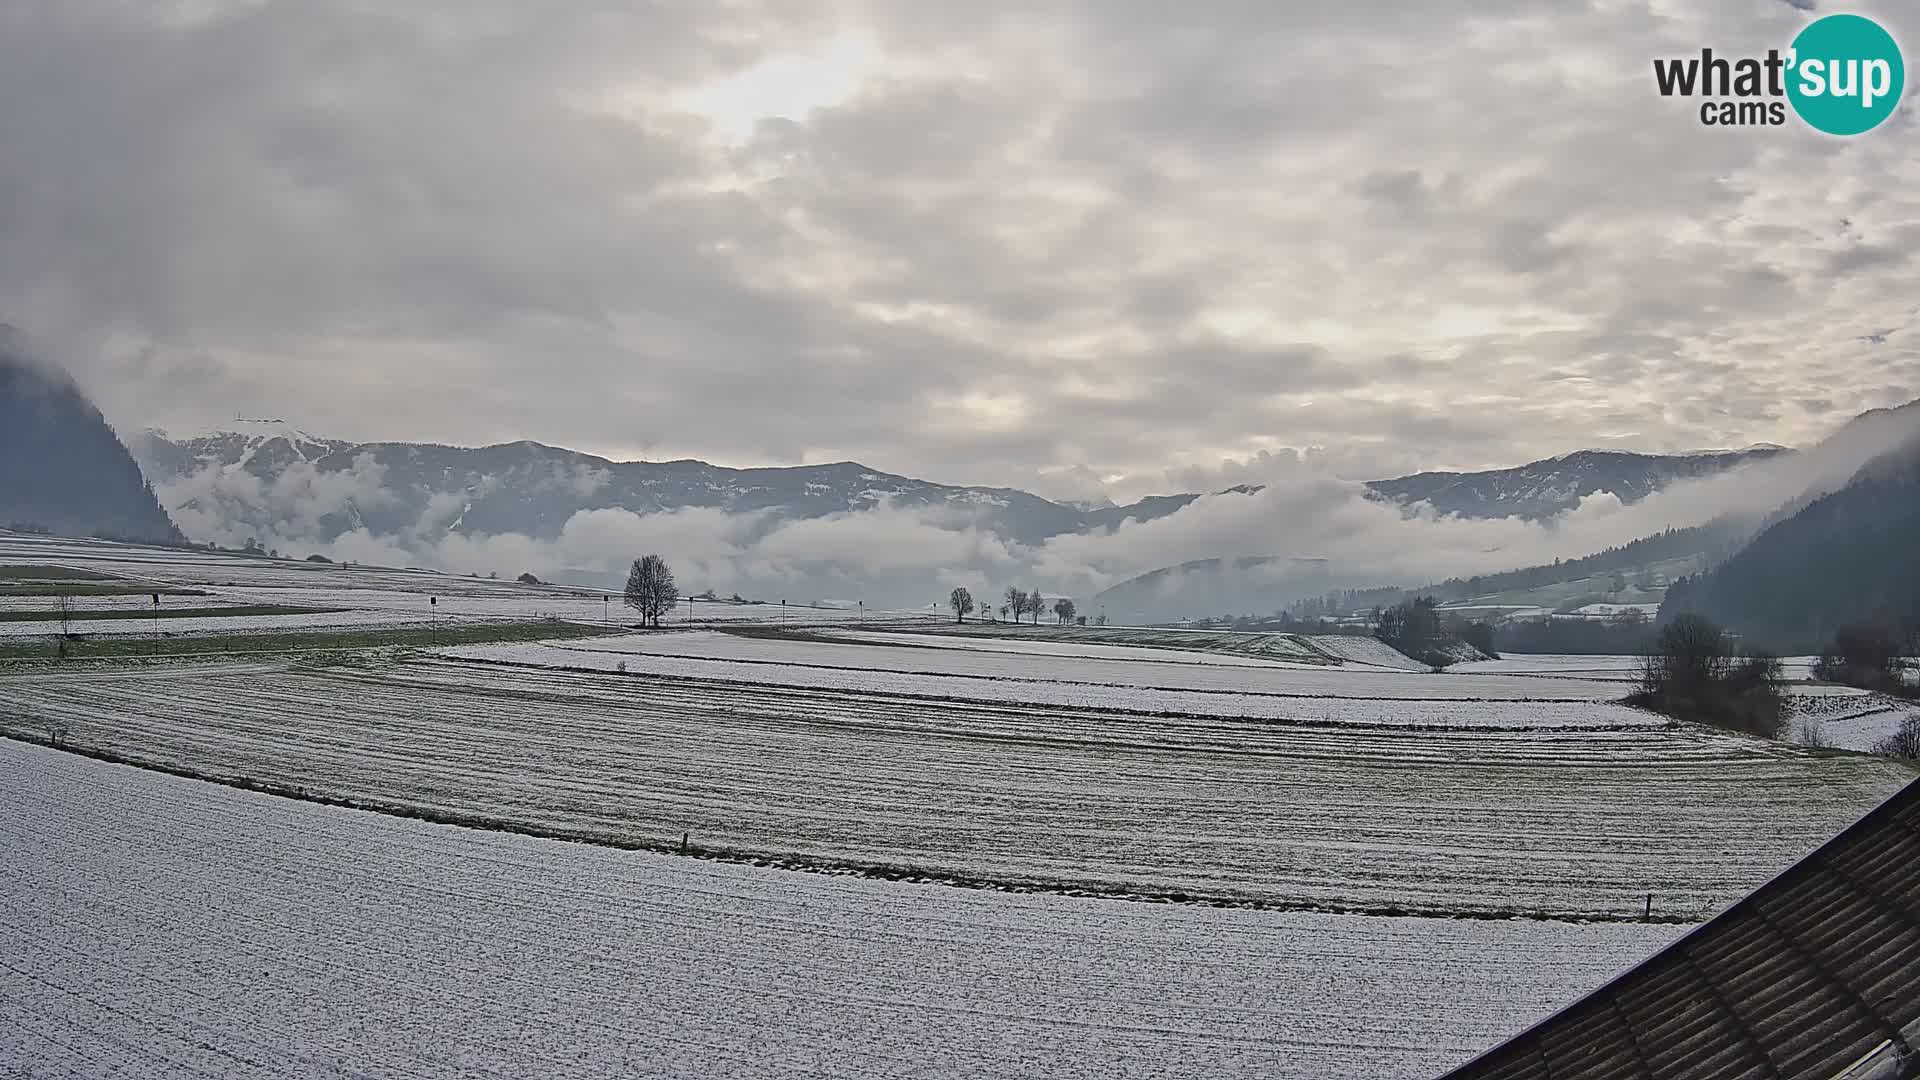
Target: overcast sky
x: 1066, y: 245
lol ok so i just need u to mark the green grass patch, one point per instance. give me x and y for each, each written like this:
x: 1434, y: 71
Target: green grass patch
x: 238, y: 611
x: 90, y: 588
x: 292, y: 641
x: 18, y: 572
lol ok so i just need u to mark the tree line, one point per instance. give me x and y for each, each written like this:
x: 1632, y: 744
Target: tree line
x: 1417, y: 629
x: 1017, y: 603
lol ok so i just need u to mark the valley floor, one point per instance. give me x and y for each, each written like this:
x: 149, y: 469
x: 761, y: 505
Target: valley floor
x: 1344, y: 865
x: 170, y: 928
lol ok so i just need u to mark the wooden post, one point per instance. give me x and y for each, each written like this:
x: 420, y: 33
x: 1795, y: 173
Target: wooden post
x: 1649, y: 906
x: 683, y: 843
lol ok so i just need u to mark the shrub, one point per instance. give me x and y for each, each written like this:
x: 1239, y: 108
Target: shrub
x: 1866, y: 655
x: 1904, y: 742
x: 1694, y: 674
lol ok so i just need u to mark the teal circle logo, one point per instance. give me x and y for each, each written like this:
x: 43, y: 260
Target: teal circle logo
x: 1845, y: 74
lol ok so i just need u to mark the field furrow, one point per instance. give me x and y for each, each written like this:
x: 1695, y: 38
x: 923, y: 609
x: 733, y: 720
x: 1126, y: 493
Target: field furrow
x: 170, y: 929
x: 1578, y: 822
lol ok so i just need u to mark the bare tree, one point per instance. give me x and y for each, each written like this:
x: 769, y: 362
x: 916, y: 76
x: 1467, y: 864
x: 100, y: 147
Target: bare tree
x: 1033, y: 605
x: 961, y: 601
x: 1063, y: 610
x: 63, y: 603
x: 1003, y: 612
x: 1016, y: 602
x: 650, y: 589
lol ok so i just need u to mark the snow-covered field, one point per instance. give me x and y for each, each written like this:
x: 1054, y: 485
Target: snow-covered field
x: 1037, y: 646
x: 1261, y: 678
x: 1618, y: 668
x: 48, y: 606
x: 1353, y: 711
x: 165, y: 928
x: 1607, y: 611
x: 372, y: 596
x: 1576, y: 823
x: 1582, y: 666
x: 1855, y: 721
x: 214, y: 624
x: 1365, y: 650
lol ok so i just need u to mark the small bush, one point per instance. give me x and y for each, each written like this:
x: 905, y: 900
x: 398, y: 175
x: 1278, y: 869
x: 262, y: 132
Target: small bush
x: 1904, y: 742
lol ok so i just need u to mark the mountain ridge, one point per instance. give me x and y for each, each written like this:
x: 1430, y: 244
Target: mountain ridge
x: 530, y: 487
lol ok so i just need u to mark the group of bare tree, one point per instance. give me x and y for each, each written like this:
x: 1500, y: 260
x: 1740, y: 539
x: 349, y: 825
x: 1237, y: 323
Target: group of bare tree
x: 1872, y: 656
x: 1018, y: 602
x: 1695, y: 673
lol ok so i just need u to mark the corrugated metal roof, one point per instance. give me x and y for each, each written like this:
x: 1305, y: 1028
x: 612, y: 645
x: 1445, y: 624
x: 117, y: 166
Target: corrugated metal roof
x: 1816, y: 974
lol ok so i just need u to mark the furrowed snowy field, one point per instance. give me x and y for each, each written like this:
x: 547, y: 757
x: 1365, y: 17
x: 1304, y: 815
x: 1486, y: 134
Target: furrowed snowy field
x: 1575, y: 823
x: 1293, y: 703
x: 1035, y: 660
x: 160, y: 927
x: 1334, y: 825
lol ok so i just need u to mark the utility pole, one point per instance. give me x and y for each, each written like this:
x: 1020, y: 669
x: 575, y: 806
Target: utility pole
x: 156, y: 624
x: 433, y: 619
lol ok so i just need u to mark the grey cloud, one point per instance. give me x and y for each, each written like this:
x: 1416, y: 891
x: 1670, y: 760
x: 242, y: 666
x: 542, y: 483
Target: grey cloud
x: 1009, y: 250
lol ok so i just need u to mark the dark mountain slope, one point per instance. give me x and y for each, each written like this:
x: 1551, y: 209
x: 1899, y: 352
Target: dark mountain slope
x: 61, y: 466
x: 1847, y: 556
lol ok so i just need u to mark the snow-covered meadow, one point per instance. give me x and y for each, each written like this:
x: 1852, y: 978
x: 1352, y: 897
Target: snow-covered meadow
x: 1158, y: 668
x: 1040, y: 692
x: 357, y: 596
x: 1578, y: 823
x: 165, y: 928
x: 1335, y: 801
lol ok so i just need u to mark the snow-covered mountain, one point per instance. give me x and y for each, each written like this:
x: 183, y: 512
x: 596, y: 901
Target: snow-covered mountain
x: 282, y: 482
x: 272, y: 480
x: 1541, y: 489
